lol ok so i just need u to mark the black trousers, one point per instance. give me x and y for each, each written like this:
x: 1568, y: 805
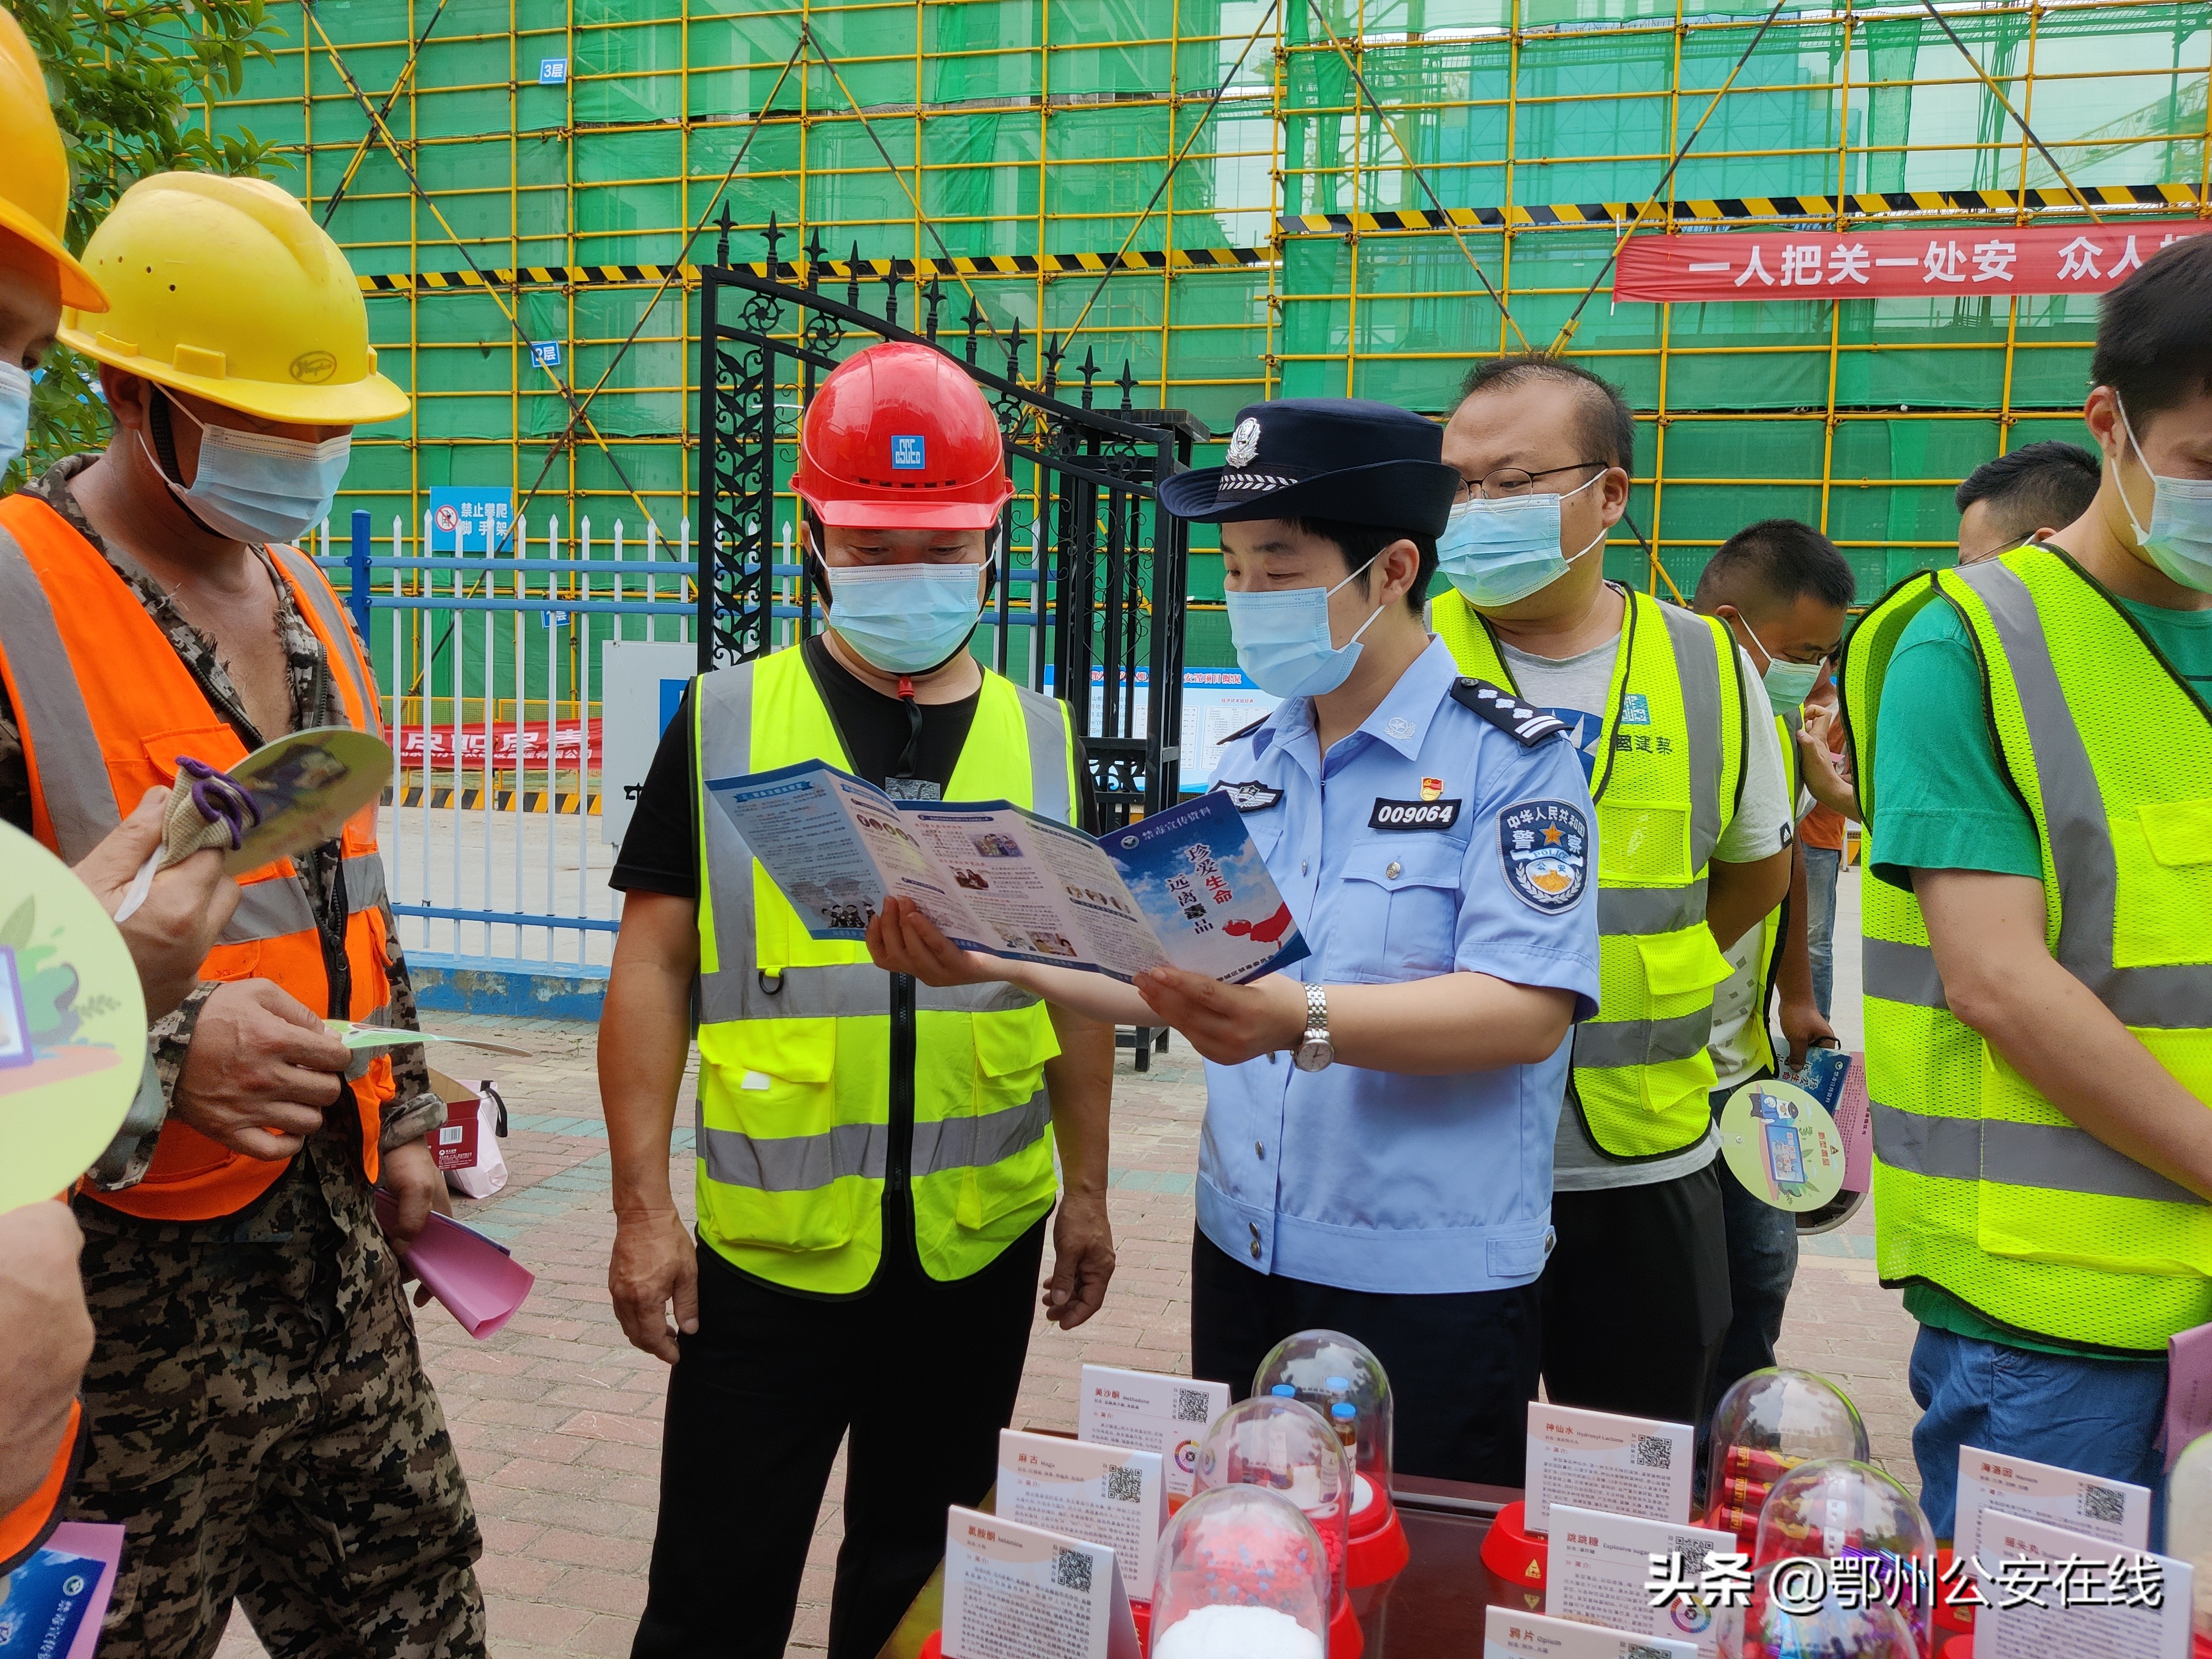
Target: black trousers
x: 922, y: 1373
x: 1636, y: 1298
x: 1462, y: 1365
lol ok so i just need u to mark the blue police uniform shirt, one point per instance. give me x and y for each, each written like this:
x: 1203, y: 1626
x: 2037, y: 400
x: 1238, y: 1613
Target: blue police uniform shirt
x: 1429, y: 842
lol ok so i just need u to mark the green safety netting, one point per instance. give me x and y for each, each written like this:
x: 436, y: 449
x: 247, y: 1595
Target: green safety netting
x: 1046, y: 126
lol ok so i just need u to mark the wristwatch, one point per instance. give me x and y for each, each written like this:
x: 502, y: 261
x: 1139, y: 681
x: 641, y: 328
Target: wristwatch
x: 1316, y: 1051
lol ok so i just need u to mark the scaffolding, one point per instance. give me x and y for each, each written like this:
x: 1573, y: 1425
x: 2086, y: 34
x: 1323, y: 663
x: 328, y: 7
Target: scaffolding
x: 1240, y: 198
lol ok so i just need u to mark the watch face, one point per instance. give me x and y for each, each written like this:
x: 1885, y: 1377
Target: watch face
x: 1313, y: 1055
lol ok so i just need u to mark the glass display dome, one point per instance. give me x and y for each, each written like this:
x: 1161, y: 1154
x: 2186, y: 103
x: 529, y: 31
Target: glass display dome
x: 1326, y: 1369
x: 1242, y: 1575
x: 1830, y: 1632
x: 2189, y: 1532
x: 1841, y: 1510
x: 1767, y: 1424
x: 1282, y: 1443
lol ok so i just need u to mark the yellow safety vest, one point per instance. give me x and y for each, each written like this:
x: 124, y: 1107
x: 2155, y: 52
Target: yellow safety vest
x: 1757, y: 1031
x: 817, y: 1087
x: 1981, y: 1186
x: 1669, y: 773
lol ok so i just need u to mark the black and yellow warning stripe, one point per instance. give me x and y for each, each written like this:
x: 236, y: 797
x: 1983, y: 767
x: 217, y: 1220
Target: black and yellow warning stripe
x: 1719, y: 211
x: 829, y: 271
x: 1731, y: 209
x: 533, y: 801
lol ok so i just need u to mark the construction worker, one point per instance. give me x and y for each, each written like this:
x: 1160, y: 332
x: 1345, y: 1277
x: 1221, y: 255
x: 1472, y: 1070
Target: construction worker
x: 42, y: 1423
x: 2023, y: 496
x: 1693, y: 836
x: 2033, y: 738
x: 261, y: 1425
x: 1379, y: 1116
x: 1783, y: 591
x: 875, y: 1163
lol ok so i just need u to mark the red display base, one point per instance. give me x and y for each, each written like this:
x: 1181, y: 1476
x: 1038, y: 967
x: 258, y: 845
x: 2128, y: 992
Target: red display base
x: 1141, y: 1614
x: 1378, y: 1549
x: 2200, y: 1647
x: 1518, y: 1557
x: 1947, y: 1617
x: 1958, y: 1647
x: 932, y: 1646
x: 1346, y: 1639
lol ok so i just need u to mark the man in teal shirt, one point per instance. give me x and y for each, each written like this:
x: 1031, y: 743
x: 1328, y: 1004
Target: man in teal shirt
x: 1952, y: 826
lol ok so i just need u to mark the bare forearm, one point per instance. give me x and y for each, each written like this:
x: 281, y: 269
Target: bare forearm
x: 1739, y: 895
x: 1792, y: 968
x: 644, y: 1040
x: 1081, y: 1080
x: 1097, y: 996
x: 1463, y: 1021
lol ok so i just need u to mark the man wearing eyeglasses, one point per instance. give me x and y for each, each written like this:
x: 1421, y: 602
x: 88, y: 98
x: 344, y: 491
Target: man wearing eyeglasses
x: 1693, y: 851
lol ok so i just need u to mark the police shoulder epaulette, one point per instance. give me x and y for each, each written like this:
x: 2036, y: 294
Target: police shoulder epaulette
x: 1527, y: 727
x: 1246, y: 731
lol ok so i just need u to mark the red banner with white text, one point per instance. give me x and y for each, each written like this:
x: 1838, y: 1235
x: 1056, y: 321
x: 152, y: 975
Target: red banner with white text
x: 527, y: 744
x: 2001, y: 259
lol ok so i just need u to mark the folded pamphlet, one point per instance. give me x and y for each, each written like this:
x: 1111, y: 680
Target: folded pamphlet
x: 1184, y: 888
x: 479, y: 1282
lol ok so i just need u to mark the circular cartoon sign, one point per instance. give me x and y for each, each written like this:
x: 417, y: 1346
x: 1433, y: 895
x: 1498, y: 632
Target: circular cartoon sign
x: 1781, y: 1144
x: 72, y: 1024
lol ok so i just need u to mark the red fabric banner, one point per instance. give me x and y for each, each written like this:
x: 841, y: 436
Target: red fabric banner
x: 1741, y: 265
x: 526, y: 744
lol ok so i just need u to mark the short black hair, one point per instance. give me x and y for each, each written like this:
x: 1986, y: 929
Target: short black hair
x: 2154, y: 331
x: 1771, y: 563
x: 1360, y: 543
x: 2048, y: 484
x: 1608, y: 427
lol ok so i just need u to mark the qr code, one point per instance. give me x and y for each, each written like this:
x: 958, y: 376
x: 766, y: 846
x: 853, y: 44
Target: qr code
x: 1124, y: 1485
x: 1693, y: 1552
x: 1639, y: 1651
x: 1070, y: 1570
x: 2103, y: 1504
x: 1190, y: 1405
x: 1652, y: 1451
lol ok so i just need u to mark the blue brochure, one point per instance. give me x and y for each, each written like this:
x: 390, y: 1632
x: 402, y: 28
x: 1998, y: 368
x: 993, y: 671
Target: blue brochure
x: 1821, y: 1075
x: 47, y: 1598
x: 1185, y: 887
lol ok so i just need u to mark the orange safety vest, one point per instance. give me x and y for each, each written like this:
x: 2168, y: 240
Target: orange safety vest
x: 104, y: 706
x: 32, y: 1522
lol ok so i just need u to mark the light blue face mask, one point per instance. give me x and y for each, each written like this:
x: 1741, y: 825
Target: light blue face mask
x: 1495, y: 552
x: 904, y: 618
x: 15, y: 413
x: 1283, y: 640
x: 1788, y: 684
x: 255, y: 487
x: 2179, y: 538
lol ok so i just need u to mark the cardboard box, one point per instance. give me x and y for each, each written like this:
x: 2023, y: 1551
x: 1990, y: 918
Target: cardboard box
x: 455, y: 1143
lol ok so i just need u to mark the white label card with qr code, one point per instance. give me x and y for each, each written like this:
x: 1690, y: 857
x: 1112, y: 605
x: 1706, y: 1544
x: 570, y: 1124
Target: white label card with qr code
x: 1107, y: 1494
x: 2111, y: 1511
x: 1144, y: 1411
x: 1631, y: 1466
x: 1020, y: 1592
x: 2052, y: 1594
x: 1507, y: 1634
x: 1600, y: 1573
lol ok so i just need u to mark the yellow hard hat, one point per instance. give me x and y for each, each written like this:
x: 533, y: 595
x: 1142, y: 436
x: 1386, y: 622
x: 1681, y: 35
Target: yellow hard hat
x: 225, y: 287
x: 34, y: 183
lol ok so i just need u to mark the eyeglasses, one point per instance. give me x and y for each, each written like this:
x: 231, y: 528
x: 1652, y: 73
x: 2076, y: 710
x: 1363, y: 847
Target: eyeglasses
x: 1511, y: 481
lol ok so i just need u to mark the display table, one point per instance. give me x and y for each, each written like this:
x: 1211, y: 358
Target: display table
x: 1434, y: 1606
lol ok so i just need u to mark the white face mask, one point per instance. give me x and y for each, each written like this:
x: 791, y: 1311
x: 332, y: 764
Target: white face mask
x: 2179, y: 538
x: 255, y: 487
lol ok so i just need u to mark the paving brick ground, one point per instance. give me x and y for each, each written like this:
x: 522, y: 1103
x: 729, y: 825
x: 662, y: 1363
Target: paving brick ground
x: 558, y: 1419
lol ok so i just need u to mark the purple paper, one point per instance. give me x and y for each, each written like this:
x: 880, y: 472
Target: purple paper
x: 478, y: 1282
x: 2188, y: 1390
x: 1854, y: 1124
x: 95, y: 1543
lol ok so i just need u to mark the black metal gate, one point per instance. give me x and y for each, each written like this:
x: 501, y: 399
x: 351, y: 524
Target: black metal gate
x: 1091, y: 577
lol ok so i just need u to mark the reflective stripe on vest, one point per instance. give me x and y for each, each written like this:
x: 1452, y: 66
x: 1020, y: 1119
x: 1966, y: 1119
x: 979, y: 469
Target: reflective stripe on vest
x: 794, y: 1130
x: 93, y: 735
x: 1642, y: 1070
x: 1981, y: 1186
x: 1758, y: 1035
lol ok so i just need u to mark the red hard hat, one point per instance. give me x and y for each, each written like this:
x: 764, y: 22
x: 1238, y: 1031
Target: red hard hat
x: 900, y: 438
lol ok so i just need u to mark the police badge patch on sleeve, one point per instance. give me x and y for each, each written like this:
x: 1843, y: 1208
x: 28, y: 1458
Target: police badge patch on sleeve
x: 1544, y: 848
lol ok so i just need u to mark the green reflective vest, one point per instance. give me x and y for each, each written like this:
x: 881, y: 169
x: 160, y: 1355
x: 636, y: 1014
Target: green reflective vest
x: 1981, y: 1186
x: 821, y: 1078
x: 1669, y: 771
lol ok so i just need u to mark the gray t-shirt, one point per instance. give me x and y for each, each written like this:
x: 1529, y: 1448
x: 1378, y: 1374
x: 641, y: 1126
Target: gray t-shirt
x: 1573, y: 689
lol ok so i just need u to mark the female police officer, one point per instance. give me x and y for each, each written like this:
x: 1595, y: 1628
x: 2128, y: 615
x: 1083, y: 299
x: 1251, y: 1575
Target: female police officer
x: 1378, y: 1154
